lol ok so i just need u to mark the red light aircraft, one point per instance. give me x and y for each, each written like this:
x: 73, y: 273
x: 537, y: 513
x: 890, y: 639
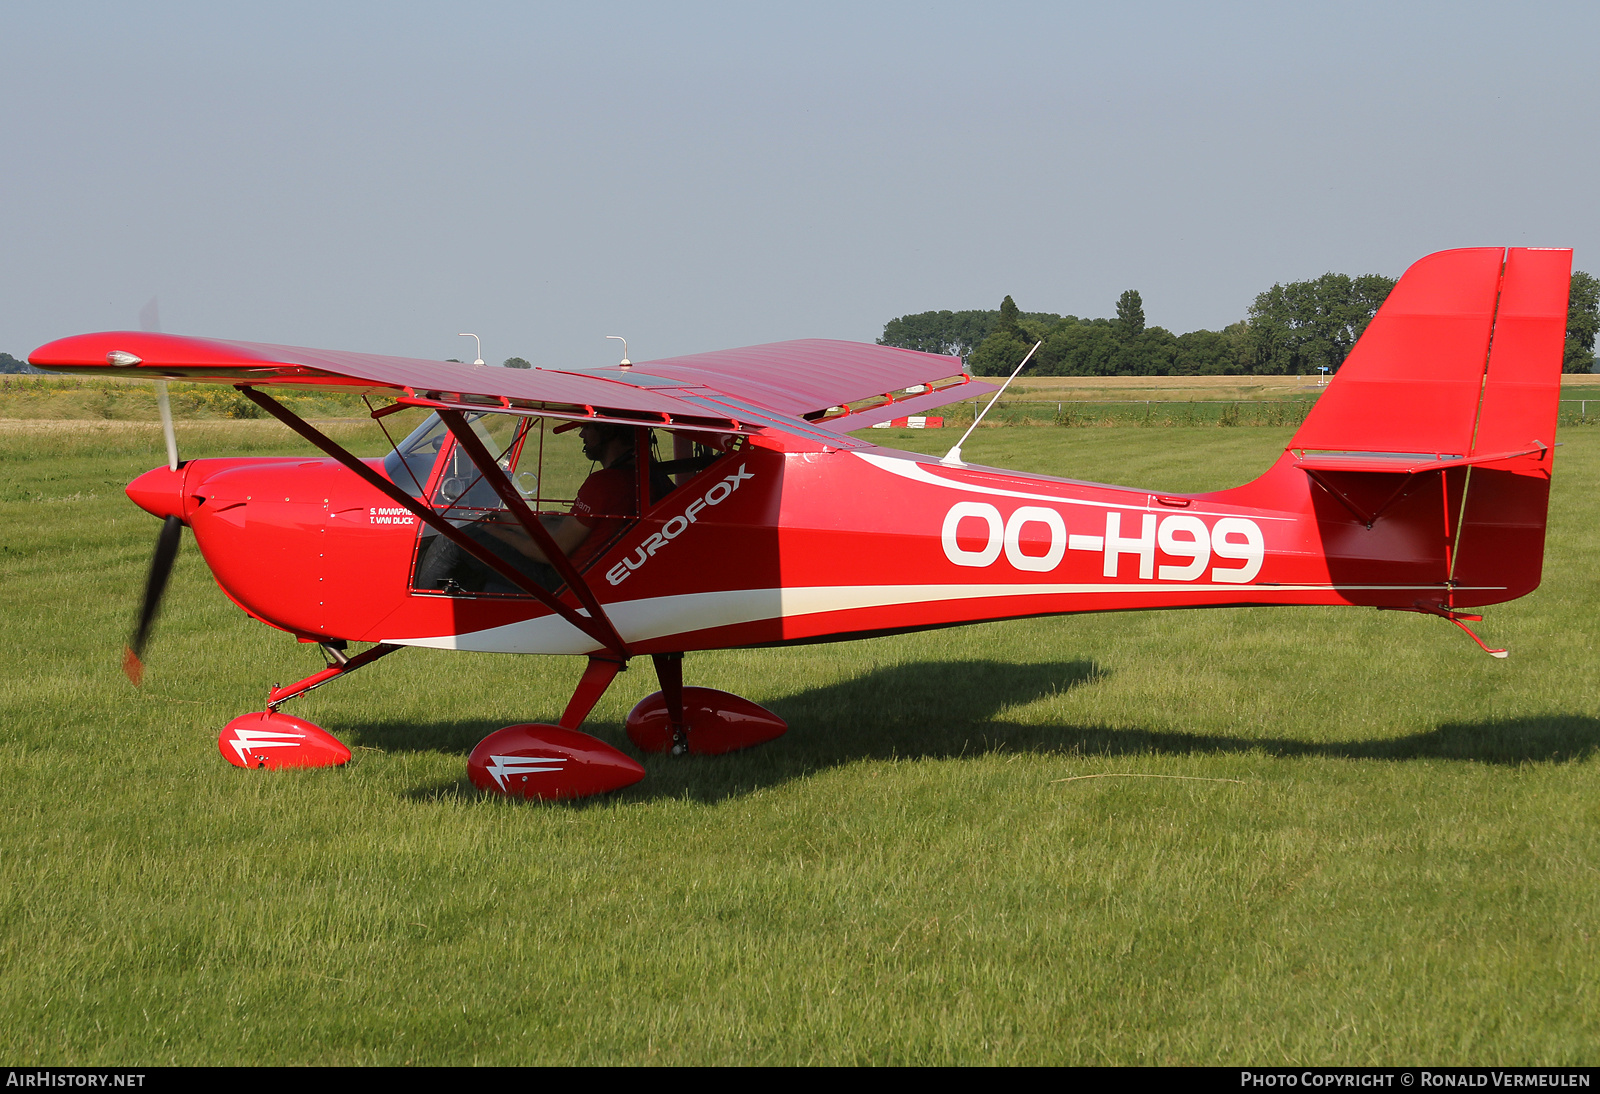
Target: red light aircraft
x: 1418, y: 482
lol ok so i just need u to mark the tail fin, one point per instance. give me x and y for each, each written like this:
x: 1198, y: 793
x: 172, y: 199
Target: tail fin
x: 1463, y: 359
x: 1458, y: 374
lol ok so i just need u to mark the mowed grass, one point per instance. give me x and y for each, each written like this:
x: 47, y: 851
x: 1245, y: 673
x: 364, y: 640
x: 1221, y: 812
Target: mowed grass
x: 1378, y: 845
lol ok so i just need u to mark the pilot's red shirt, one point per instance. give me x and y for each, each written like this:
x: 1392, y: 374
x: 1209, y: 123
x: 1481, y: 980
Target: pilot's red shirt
x: 605, y: 502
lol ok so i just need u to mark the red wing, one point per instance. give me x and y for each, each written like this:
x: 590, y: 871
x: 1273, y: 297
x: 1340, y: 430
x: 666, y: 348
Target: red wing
x: 810, y: 375
x: 562, y: 394
x: 770, y: 387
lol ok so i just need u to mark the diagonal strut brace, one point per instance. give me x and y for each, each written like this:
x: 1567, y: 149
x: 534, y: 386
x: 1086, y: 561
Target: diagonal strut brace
x: 485, y: 462
x: 604, y: 635
x: 281, y: 694
x: 1369, y: 519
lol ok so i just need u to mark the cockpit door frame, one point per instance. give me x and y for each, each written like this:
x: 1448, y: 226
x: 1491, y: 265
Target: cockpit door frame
x: 484, y: 460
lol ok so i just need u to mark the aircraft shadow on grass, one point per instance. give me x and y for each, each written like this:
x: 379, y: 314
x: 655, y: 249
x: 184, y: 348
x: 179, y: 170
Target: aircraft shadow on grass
x: 949, y: 709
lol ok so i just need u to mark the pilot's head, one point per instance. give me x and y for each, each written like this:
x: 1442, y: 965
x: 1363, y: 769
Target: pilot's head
x: 604, y: 442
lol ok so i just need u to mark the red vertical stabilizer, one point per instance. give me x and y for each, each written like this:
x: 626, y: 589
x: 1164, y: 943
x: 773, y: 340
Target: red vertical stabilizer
x: 1413, y: 380
x: 1429, y: 455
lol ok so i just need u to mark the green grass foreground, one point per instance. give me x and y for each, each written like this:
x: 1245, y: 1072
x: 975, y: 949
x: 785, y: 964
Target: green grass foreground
x: 1377, y: 844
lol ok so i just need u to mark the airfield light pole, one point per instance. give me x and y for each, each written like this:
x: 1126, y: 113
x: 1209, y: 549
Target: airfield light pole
x: 479, y: 341
x: 952, y: 458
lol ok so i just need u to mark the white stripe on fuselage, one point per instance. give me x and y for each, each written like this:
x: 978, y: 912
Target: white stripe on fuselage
x: 921, y: 472
x: 657, y: 617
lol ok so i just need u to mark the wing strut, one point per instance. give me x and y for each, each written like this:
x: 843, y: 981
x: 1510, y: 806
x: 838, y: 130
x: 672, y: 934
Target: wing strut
x: 484, y: 460
x: 599, y: 628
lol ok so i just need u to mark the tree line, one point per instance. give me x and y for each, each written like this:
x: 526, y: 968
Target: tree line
x: 10, y: 364
x: 1300, y: 328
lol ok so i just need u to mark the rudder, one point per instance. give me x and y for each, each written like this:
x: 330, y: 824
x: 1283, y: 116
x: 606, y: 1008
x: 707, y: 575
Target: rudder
x: 1501, y: 540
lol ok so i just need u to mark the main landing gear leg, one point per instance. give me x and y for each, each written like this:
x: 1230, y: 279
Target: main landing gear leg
x: 544, y: 761
x: 669, y: 671
x: 597, y: 676
x: 270, y: 739
x: 701, y: 721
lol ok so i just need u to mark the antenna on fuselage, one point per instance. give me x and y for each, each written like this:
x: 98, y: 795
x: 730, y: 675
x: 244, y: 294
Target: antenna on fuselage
x: 625, y: 362
x: 479, y: 341
x: 952, y: 458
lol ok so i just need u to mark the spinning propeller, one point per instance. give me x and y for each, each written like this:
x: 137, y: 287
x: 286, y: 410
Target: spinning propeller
x: 171, y: 528
x: 160, y: 569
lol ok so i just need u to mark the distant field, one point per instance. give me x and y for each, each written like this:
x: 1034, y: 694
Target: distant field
x: 1369, y: 844
x: 1207, y: 387
x: 112, y: 399
x: 1180, y: 401
x: 1169, y: 387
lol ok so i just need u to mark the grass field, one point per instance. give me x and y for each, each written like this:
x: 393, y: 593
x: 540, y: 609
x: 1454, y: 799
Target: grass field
x: 1372, y: 843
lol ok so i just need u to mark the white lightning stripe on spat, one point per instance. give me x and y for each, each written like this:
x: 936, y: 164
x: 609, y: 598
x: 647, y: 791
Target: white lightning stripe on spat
x: 521, y: 765
x: 920, y: 472
x: 246, y: 740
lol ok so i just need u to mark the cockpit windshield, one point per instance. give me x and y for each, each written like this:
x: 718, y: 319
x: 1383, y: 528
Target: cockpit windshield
x: 461, y: 486
x: 410, y: 463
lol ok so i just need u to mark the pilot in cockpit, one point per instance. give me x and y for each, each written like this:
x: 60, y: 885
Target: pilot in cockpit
x: 604, y: 503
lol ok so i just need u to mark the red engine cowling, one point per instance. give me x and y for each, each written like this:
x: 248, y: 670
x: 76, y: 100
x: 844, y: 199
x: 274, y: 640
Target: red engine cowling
x: 717, y: 722
x: 272, y: 740
x: 549, y: 762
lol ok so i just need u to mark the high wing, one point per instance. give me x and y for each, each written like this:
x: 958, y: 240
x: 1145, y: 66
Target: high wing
x: 807, y: 377
x: 789, y: 389
x: 803, y: 388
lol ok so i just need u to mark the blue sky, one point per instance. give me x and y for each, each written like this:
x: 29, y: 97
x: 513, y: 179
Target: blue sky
x: 380, y: 176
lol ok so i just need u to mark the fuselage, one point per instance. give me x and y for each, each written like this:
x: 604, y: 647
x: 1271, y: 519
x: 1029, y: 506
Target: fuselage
x: 772, y: 543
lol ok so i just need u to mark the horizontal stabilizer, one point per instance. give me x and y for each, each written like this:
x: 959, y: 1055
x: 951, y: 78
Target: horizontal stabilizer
x: 1403, y: 463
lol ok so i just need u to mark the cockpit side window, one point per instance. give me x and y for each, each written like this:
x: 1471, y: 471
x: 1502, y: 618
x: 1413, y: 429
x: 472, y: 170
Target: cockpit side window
x: 460, y: 493
x: 566, y: 480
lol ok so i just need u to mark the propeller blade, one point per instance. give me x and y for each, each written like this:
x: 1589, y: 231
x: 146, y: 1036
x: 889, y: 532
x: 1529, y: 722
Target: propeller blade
x: 150, y: 320
x: 160, y: 569
x: 164, y: 405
